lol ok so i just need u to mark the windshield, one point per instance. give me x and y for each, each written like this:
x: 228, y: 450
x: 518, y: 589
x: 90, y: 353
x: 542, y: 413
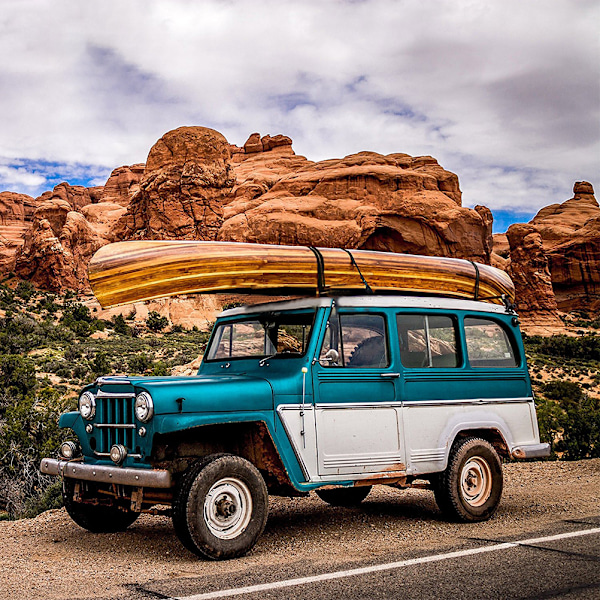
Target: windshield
x: 270, y: 334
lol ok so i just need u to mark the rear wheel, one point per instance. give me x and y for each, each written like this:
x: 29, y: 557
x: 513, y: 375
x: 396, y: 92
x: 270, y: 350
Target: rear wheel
x: 471, y: 487
x: 221, y: 507
x: 350, y: 496
x: 96, y: 518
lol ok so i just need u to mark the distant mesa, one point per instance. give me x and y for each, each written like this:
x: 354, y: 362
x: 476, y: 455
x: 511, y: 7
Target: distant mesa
x: 196, y: 185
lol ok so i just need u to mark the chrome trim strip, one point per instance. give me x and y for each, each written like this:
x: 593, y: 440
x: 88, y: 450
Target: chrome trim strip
x: 103, y: 394
x: 467, y: 402
x: 107, y: 455
x: 155, y: 478
x: 114, y: 379
x: 115, y: 425
x: 330, y: 405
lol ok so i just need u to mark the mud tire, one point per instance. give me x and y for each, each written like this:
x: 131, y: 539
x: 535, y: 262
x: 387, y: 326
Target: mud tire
x: 469, y: 490
x: 221, y: 507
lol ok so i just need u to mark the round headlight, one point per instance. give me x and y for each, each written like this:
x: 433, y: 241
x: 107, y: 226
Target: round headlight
x: 118, y: 453
x: 87, y: 406
x: 144, y: 407
x: 69, y: 450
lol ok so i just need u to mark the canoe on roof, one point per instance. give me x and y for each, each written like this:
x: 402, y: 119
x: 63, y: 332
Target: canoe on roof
x: 126, y: 272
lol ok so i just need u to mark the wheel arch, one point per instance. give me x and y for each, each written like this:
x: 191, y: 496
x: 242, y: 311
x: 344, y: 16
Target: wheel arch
x: 251, y: 440
x: 493, y: 435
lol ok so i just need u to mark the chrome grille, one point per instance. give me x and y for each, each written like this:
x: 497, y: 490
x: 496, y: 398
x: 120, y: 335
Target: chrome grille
x: 116, y: 421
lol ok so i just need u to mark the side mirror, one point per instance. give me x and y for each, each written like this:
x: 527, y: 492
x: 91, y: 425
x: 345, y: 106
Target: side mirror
x: 330, y: 358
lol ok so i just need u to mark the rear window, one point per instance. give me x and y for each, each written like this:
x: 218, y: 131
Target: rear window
x: 488, y: 344
x: 428, y: 341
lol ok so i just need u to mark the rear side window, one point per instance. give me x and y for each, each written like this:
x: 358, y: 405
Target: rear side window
x: 488, y: 344
x: 428, y: 341
x: 362, y: 343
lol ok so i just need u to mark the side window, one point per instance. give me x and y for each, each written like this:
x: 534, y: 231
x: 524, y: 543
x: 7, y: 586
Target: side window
x: 355, y: 341
x: 488, y: 344
x: 428, y: 341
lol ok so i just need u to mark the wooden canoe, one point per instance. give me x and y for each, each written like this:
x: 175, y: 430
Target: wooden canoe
x: 126, y: 272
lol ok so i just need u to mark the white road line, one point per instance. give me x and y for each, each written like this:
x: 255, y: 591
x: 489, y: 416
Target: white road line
x: 264, y: 587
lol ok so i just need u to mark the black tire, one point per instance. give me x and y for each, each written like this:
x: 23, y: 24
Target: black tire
x: 221, y: 507
x: 96, y: 518
x: 470, y: 489
x: 350, y: 496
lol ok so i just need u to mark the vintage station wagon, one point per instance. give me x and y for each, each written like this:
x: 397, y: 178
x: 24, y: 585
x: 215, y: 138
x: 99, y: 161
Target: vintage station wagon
x: 333, y: 395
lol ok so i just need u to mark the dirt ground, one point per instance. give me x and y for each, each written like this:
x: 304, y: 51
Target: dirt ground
x: 51, y: 558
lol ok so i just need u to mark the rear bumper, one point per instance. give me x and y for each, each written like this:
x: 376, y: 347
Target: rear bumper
x: 532, y: 451
x: 152, y: 478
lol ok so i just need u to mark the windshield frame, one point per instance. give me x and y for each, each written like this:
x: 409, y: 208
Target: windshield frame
x: 266, y: 316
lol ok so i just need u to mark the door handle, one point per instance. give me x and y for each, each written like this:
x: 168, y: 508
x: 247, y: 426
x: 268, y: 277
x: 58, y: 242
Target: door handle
x: 390, y: 375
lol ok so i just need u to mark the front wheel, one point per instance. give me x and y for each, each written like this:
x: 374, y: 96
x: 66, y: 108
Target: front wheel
x: 221, y: 507
x: 96, y: 518
x: 471, y: 487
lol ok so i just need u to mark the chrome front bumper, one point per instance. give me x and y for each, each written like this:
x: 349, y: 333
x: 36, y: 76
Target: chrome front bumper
x: 152, y: 478
x: 533, y: 451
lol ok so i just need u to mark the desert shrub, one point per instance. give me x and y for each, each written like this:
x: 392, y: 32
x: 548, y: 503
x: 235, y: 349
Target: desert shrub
x: 25, y: 290
x: 28, y: 431
x: 100, y: 364
x: 139, y: 363
x: 156, y: 322
x: 584, y: 347
x: 570, y: 420
x: 161, y: 369
x: 119, y: 325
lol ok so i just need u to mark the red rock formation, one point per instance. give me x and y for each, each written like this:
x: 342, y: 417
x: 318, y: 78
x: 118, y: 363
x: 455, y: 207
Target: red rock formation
x: 187, y: 179
x: 16, y: 214
x: 366, y: 200
x: 68, y: 226
x: 571, y: 240
x: 528, y: 268
x: 122, y: 185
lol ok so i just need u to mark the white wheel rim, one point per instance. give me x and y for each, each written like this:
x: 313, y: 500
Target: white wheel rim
x: 476, y: 481
x: 228, y: 508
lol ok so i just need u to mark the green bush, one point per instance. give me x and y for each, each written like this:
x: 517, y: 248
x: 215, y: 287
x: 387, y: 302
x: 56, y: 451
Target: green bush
x: 139, y: 364
x: 570, y: 420
x: 119, y: 325
x: 156, y: 322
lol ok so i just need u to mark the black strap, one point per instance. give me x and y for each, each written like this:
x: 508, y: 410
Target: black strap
x: 476, y: 292
x: 367, y: 286
x: 321, y: 288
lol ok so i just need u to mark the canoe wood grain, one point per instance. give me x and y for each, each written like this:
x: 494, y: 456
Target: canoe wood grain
x: 126, y: 272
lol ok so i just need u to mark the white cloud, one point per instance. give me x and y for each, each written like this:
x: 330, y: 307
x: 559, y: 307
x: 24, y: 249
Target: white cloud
x: 505, y: 93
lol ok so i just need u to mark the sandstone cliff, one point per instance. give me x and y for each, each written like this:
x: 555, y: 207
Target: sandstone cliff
x: 68, y: 225
x: 197, y: 186
x: 16, y: 215
x: 555, y: 258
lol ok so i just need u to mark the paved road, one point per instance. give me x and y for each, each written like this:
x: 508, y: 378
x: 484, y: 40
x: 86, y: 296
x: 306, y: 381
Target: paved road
x: 563, y: 561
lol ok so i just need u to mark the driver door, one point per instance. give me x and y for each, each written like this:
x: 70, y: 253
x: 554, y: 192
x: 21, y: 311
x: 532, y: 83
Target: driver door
x: 358, y: 420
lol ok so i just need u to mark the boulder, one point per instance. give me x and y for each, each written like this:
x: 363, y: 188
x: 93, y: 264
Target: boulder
x: 187, y: 180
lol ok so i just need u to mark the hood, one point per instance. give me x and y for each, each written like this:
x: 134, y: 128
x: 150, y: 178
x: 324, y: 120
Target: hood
x: 227, y: 393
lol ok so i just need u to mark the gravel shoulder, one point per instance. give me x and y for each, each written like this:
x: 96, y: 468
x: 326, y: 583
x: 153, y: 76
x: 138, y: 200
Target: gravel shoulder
x: 51, y: 558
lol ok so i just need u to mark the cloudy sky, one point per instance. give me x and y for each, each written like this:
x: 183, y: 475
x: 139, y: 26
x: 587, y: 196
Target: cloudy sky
x: 505, y: 93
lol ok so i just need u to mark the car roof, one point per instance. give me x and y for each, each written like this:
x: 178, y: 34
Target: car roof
x: 370, y: 301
